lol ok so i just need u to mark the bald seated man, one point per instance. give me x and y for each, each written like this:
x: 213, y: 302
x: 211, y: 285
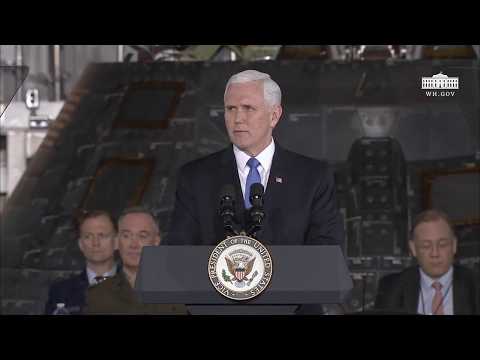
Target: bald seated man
x: 436, y: 286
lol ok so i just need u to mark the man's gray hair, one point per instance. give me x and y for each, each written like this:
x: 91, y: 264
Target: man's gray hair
x: 140, y: 210
x: 271, y: 91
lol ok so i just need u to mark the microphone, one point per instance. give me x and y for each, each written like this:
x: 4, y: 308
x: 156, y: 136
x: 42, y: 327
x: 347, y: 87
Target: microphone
x: 257, y: 214
x: 256, y: 195
x: 227, y: 209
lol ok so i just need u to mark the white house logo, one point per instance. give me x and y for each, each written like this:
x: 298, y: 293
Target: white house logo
x: 240, y: 267
x: 439, y: 81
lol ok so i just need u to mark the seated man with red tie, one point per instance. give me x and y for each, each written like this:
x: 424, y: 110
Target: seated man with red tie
x: 96, y: 240
x: 436, y: 286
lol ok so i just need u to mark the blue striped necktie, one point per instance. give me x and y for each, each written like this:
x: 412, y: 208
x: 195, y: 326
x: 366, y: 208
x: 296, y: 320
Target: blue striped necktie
x: 252, y: 178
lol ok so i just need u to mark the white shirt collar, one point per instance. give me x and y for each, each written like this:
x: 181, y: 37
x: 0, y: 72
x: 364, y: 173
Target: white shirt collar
x: 265, y: 157
x: 445, y: 279
x: 91, y: 274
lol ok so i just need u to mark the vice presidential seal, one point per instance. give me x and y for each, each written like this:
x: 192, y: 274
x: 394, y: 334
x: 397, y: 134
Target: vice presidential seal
x: 240, y: 267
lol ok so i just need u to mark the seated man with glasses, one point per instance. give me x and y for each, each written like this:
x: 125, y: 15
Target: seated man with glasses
x: 97, y: 242
x: 137, y: 228
x: 436, y: 286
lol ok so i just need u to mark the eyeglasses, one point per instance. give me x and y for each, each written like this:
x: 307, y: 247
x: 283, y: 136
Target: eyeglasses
x: 429, y: 246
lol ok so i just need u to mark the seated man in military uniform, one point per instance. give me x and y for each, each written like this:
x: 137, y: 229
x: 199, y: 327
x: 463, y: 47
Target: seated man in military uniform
x: 136, y: 228
x: 97, y: 243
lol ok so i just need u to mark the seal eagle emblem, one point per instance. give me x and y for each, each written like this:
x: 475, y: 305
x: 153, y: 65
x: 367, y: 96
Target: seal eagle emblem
x: 240, y: 267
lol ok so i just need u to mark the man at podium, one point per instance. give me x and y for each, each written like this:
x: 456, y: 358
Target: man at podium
x: 299, y: 199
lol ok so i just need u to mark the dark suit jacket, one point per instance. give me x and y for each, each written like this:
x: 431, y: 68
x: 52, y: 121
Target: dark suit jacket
x: 116, y: 296
x: 400, y: 292
x: 299, y: 201
x: 69, y: 291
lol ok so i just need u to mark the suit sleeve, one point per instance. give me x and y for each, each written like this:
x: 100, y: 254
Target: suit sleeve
x: 184, y: 227
x: 389, y: 294
x: 382, y: 295
x: 51, y: 303
x: 326, y: 226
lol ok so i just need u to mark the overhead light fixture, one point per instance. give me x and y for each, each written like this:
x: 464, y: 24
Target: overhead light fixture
x: 38, y: 122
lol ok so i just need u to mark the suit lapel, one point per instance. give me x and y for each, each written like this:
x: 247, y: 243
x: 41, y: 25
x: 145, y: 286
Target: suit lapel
x: 228, y: 174
x: 121, y: 287
x: 82, y: 281
x: 276, y: 189
x: 81, y: 287
x: 460, y: 294
x: 83, y: 278
x: 412, y: 291
x: 276, y: 179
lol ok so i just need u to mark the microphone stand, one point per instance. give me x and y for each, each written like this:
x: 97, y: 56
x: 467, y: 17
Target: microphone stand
x: 229, y: 225
x: 257, y: 213
x: 227, y: 211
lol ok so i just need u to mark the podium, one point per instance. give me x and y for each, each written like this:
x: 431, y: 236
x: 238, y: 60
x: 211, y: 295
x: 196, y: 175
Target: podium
x: 302, y: 275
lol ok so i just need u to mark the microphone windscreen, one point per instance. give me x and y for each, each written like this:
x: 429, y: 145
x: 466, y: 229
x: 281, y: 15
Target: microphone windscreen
x: 227, y: 191
x: 256, y: 190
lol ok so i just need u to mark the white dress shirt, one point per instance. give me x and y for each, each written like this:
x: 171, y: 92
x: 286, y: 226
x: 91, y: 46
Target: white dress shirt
x: 265, y: 159
x: 91, y: 274
x: 427, y: 293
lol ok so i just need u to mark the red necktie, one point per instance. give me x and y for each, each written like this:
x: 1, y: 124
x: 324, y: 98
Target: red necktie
x: 437, y: 302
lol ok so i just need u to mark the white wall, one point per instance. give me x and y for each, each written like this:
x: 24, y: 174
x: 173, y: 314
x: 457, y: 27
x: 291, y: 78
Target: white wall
x: 22, y: 142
